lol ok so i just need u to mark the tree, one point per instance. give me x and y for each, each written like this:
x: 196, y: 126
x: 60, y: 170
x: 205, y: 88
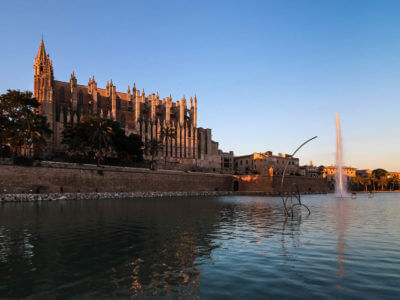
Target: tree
x: 128, y: 148
x: 169, y: 133
x: 75, y: 138
x: 100, y: 134
x: 99, y: 138
x: 378, y: 173
x: 153, y: 147
x: 366, y: 181
x: 21, y: 126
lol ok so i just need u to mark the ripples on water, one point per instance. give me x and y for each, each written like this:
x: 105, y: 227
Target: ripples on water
x: 216, y: 247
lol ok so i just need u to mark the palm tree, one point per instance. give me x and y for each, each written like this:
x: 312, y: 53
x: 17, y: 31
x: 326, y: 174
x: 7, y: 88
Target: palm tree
x: 100, y: 137
x: 153, y: 147
x: 169, y: 133
x: 366, y: 181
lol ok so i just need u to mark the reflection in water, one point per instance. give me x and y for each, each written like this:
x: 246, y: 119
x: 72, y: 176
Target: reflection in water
x: 341, y: 240
x: 342, y: 210
x: 217, y: 247
x: 115, y: 248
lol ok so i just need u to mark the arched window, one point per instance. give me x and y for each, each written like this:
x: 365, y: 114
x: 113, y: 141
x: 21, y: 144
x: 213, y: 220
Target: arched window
x: 65, y: 114
x: 122, y: 121
x: 98, y: 101
x: 80, y: 99
x: 60, y: 99
x: 61, y: 95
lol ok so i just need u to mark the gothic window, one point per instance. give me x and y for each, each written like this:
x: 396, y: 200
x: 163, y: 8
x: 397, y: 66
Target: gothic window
x: 122, y: 121
x: 118, y: 103
x: 80, y: 99
x: 61, y: 94
x: 98, y: 101
x: 61, y: 98
x: 65, y: 113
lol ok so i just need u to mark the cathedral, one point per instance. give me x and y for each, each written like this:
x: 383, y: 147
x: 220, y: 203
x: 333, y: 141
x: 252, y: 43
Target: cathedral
x: 65, y: 102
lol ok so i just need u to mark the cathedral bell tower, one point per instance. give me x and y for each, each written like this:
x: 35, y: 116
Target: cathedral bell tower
x: 43, y: 84
x: 43, y: 80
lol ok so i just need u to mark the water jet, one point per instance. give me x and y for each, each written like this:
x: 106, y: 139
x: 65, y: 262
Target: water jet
x: 340, y: 177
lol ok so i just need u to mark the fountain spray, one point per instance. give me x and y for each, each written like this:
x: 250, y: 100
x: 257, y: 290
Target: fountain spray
x: 340, y: 186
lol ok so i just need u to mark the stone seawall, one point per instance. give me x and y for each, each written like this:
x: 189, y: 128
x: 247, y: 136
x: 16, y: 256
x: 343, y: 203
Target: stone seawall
x: 272, y: 184
x: 96, y: 196
x: 73, y: 178
x: 52, y: 181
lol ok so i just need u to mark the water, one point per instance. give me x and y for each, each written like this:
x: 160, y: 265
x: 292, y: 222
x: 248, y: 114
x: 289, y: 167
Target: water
x: 216, y: 247
x: 340, y: 178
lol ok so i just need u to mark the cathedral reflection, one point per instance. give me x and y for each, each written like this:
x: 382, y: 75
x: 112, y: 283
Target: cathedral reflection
x: 145, y: 247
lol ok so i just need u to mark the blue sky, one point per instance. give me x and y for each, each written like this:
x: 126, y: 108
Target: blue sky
x: 267, y: 74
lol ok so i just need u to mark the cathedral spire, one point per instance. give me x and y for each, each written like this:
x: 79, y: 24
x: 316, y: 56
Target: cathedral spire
x: 42, y: 51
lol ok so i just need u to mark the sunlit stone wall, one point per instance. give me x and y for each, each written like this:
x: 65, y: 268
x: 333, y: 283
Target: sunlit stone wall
x: 272, y: 184
x: 75, y: 178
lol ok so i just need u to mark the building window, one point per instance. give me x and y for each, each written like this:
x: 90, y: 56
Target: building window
x: 80, y: 99
x: 122, y: 122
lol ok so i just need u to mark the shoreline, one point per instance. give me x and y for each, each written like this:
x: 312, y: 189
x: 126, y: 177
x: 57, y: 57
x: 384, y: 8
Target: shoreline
x: 6, y: 198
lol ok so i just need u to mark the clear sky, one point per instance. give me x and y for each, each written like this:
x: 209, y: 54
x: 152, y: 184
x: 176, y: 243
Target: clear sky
x: 267, y: 74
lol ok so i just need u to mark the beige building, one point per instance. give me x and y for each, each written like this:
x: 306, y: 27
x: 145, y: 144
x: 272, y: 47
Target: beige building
x: 311, y: 170
x: 330, y: 171
x: 144, y: 114
x: 211, y: 158
x: 266, y: 164
x: 395, y: 175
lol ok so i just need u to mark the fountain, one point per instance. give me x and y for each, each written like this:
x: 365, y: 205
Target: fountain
x: 340, y: 185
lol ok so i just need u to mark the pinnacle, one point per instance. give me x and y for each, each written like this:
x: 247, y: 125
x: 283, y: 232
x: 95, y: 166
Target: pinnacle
x: 42, y: 51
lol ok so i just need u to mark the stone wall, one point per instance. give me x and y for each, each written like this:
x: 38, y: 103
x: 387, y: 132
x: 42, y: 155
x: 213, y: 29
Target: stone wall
x: 272, y: 184
x: 70, y: 178
x: 88, y: 178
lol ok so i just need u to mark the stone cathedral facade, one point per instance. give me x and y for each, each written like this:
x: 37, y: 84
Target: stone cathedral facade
x: 145, y: 115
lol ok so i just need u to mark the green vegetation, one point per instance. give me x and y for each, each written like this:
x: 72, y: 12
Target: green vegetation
x: 379, y: 180
x: 21, y: 129
x: 379, y: 173
x: 153, y: 147
x: 96, y: 138
x: 168, y: 133
x: 23, y: 134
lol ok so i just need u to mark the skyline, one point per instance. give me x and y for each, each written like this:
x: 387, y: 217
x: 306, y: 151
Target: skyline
x: 248, y: 65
